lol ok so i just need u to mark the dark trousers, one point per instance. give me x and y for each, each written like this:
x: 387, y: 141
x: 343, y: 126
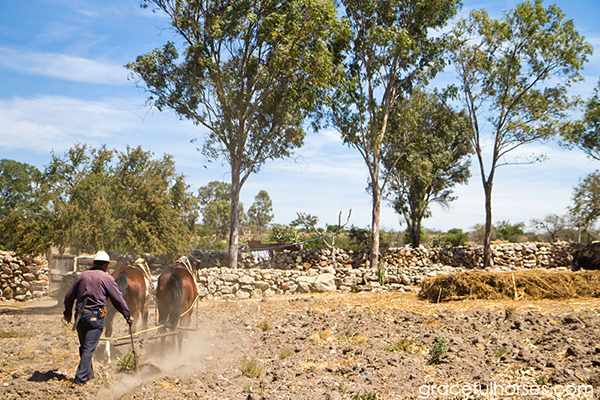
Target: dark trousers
x: 89, y: 330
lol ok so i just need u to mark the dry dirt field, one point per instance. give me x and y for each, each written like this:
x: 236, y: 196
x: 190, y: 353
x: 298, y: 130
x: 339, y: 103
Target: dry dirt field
x: 359, y: 346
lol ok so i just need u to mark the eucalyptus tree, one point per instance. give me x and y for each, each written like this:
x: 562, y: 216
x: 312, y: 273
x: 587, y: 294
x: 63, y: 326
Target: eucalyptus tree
x: 249, y: 72
x: 391, y: 46
x: 585, y: 133
x: 514, y: 74
x: 585, y: 210
x: 261, y: 211
x: 427, y: 154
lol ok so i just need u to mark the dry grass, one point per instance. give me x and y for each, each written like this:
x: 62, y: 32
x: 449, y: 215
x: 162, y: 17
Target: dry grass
x: 325, y: 334
x: 354, y: 338
x: 519, y: 285
x: 15, y: 335
x: 251, y: 368
x: 265, y: 325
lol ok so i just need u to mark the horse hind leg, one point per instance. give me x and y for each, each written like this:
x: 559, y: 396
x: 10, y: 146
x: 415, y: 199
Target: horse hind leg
x: 108, y: 321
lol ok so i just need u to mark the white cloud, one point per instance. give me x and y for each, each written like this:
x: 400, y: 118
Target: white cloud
x: 60, y: 66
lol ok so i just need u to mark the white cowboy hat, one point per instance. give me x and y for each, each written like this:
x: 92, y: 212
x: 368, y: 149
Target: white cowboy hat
x: 103, y: 256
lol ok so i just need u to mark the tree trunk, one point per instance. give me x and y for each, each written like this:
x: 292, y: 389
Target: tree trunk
x: 487, y: 237
x: 375, y: 232
x: 235, y: 216
x: 415, y: 234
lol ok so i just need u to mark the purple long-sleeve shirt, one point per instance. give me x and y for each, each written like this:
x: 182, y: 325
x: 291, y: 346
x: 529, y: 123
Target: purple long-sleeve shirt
x: 95, y: 285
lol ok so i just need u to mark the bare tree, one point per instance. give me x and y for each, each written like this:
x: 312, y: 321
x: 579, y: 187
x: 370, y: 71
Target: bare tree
x: 552, y: 224
x: 311, y: 222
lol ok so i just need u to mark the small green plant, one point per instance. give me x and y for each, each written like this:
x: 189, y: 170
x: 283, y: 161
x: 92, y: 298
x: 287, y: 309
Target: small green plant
x: 128, y: 363
x: 285, y: 353
x: 500, y: 352
x: 321, y: 335
x: 251, y: 387
x: 340, y: 388
x: 438, y: 349
x: 347, y: 338
x: 402, y: 346
x: 251, y: 368
x: 365, y: 396
x: 541, y: 380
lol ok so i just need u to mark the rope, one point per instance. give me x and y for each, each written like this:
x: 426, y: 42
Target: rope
x: 65, y: 323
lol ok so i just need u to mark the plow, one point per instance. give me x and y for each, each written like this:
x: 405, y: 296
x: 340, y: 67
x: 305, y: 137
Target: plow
x: 132, y: 361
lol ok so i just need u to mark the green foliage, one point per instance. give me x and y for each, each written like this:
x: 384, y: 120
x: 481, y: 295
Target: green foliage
x: 214, y: 191
x: 284, y: 234
x: 514, y: 74
x: 217, y: 217
x: 407, y: 236
x: 427, y: 154
x: 250, y: 73
x: 123, y: 201
x: 18, y: 184
x: 23, y: 212
x: 438, y: 349
x: 314, y: 242
x: 585, y: 133
x: 128, y: 363
x: 457, y: 237
x: 500, y: 352
x: 453, y: 238
x: 359, y: 238
x: 511, y: 232
x: 365, y: 396
x: 261, y: 211
x: 391, y: 47
x: 305, y: 220
x: 585, y: 210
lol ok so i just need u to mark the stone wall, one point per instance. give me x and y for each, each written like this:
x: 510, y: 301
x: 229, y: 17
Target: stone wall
x: 313, y: 271
x: 22, y: 278
x: 263, y: 274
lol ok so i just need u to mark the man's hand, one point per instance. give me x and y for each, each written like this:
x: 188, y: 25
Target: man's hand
x: 68, y: 318
x: 130, y: 320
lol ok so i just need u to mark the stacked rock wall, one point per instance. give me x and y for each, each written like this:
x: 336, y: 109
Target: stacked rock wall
x: 263, y: 274
x: 313, y: 271
x: 22, y: 278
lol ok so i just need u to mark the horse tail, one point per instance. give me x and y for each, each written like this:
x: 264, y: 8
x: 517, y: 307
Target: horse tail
x: 122, y: 283
x: 177, y: 296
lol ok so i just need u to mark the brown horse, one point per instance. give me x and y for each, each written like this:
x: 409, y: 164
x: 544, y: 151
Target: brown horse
x: 136, y: 287
x: 176, y: 292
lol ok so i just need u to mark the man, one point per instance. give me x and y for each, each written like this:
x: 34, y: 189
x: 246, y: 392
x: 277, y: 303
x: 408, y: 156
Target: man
x: 91, y: 288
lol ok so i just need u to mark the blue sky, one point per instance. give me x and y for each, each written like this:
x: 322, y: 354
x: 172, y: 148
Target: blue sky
x: 62, y: 82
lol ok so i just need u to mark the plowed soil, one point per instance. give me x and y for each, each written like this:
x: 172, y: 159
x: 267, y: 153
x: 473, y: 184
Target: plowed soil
x: 361, y: 346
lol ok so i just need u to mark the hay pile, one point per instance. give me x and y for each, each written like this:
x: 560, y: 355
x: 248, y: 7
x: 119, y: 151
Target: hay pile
x: 533, y: 284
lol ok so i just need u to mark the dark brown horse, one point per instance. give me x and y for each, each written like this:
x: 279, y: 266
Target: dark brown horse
x: 136, y: 287
x: 176, y: 292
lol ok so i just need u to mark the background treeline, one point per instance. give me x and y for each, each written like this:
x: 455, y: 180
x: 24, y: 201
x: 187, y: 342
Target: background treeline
x: 132, y: 201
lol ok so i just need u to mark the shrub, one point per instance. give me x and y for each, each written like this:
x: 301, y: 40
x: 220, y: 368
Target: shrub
x: 251, y: 368
x: 438, y: 349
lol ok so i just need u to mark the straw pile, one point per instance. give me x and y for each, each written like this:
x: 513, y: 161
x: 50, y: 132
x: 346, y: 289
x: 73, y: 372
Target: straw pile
x: 534, y: 284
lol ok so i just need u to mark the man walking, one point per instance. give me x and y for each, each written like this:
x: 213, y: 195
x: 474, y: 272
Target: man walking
x: 91, y: 289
